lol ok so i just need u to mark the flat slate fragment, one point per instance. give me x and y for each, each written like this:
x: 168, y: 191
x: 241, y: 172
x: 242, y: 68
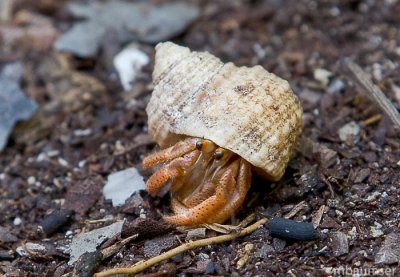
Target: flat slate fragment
x: 88, y: 242
x: 389, y: 253
x: 127, y: 20
x: 14, y: 105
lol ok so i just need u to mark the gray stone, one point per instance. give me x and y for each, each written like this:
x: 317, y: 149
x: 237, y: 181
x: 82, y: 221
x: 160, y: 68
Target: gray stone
x: 14, y: 105
x: 144, y: 21
x: 155, y: 246
x: 88, y: 242
x: 265, y: 250
x: 351, y: 129
x: 389, y: 253
x: 340, y: 244
x: 122, y: 184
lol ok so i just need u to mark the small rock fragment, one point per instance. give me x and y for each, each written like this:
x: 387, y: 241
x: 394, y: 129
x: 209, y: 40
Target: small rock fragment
x: 351, y: 129
x: 122, y: 184
x: 309, y: 99
x: 155, y: 246
x: 134, y: 204
x: 6, y: 255
x: 265, y: 250
x: 376, y: 230
x: 340, y: 244
x: 83, y: 194
x: 329, y: 223
x: 389, y: 253
x: 6, y: 236
x: 129, y: 62
x: 14, y: 105
x: 87, y: 264
x: 55, y: 220
x: 322, y: 75
x: 362, y: 174
x: 336, y: 86
x: 32, y: 249
x: 88, y: 242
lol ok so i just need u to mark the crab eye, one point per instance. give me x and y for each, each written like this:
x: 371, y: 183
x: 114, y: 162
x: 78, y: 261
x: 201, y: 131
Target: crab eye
x: 199, y: 144
x: 218, y: 154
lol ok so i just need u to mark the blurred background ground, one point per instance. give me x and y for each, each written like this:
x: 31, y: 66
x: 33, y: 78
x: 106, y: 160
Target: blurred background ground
x: 71, y: 115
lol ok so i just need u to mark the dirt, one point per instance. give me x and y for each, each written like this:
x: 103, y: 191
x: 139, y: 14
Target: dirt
x: 52, y: 163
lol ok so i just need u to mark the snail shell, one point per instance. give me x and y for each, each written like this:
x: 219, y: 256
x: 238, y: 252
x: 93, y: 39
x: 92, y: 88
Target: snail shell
x: 249, y: 111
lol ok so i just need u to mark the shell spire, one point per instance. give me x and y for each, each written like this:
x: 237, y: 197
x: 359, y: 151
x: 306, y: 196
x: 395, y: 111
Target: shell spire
x: 249, y: 111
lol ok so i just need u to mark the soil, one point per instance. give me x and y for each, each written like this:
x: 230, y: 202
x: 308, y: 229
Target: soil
x: 87, y: 127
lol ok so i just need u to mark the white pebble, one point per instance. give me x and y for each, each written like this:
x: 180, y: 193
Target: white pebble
x: 17, y: 221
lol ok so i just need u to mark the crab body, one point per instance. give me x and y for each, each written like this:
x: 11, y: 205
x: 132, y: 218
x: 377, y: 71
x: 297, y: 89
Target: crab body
x: 217, y: 123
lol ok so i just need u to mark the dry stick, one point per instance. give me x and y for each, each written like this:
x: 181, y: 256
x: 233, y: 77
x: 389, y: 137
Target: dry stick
x: 373, y: 91
x: 142, y: 265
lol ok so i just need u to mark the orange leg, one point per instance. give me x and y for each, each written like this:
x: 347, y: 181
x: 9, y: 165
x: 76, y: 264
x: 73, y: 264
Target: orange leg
x: 202, y: 212
x: 206, y: 191
x: 173, y: 170
x: 233, y: 204
x: 178, y: 150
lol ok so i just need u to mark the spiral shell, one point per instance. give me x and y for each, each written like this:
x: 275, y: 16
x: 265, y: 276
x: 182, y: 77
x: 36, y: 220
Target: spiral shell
x: 249, y: 111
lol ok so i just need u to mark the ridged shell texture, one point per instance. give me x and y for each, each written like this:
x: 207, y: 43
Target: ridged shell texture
x: 249, y: 111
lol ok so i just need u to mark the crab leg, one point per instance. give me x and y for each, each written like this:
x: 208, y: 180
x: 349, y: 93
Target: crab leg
x: 202, y: 212
x: 173, y: 170
x: 178, y: 150
x: 207, y: 189
x: 243, y: 185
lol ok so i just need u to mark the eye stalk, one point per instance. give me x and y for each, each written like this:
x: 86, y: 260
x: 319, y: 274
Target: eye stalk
x: 219, y: 153
x: 205, y: 145
x: 199, y: 144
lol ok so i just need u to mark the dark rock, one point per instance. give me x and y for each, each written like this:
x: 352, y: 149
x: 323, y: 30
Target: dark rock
x: 55, y: 220
x: 87, y: 264
x: 362, y: 174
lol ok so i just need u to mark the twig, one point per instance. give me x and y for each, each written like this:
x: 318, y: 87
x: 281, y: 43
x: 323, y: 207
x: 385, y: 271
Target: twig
x: 142, y: 265
x: 109, y: 251
x: 373, y: 91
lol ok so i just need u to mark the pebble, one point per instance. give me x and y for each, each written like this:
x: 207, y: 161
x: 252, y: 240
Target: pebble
x: 340, y: 244
x: 62, y: 162
x: 265, y: 250
x: 351, y: 129
x: 17, y: 221
x: 31, y: 180
x: 359, y: 214
x: 376, y: 231
x: 336, y: 86
x: 322, y: 75
x: 129, y: 63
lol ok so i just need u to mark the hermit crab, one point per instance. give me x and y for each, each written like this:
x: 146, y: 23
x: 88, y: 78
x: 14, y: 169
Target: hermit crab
x: 216, y: 124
